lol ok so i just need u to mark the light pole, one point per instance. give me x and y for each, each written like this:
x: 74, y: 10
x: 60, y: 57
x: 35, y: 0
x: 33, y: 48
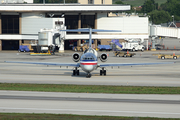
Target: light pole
x: 135, y: 10
x: 173, y: 18
x: 172, y: 22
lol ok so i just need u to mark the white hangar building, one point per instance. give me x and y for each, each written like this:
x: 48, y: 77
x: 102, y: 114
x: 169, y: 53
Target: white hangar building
x: 20, y: 23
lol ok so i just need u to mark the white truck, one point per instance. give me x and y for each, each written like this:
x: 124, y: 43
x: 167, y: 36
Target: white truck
x: 133, y: 45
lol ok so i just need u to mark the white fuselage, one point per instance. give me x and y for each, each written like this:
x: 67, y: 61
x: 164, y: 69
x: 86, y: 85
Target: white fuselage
x: 89, y: 61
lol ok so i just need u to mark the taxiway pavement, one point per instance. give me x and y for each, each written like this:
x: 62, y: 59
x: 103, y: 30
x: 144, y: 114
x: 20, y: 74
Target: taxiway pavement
x: 166, y: 106
x: 152, y: 75
x: 135, y: 105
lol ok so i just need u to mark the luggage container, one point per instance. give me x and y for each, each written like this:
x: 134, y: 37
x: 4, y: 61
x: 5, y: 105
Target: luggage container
x: 23, y: 48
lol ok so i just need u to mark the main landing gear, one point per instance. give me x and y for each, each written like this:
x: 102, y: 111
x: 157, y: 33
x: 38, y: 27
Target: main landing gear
x: 103, y: 72
x: 88, y: 75
x: 76, y: 71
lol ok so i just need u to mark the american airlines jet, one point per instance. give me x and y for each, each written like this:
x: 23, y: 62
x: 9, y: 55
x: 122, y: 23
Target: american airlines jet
x: 88, y: 61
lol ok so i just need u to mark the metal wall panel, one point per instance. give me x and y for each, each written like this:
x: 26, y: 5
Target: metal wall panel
x: 100, y: 15
x: 33, y: 25
x: 136, y: 25
x: 33, y: 15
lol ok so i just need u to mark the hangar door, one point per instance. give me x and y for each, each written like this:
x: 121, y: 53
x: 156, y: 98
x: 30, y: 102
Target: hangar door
x: 10, y: 44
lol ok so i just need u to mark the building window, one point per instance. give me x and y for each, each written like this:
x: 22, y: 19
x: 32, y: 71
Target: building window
x: 10, y: 44
x: 90, y: 1
x: 71, y: 22
x: 87, y: 21
x: 10, y: 24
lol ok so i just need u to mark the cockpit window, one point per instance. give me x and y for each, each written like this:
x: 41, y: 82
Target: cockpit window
x: 88, y: 56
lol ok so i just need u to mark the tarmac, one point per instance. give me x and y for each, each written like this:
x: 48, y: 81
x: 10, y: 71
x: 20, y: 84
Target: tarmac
x: 163, y: 106
x: 149, y: 75
x: 133, y: 105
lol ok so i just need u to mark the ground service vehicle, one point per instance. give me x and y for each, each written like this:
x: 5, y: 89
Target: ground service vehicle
x: 23, y: 48
x: 132, y: 46
x: 166, y: 56
x: 104, y: 47
x: 123, y: 54
x: 80, y: 48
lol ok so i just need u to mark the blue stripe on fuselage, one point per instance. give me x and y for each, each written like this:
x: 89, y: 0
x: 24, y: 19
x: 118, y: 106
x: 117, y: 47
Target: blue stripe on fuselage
x: 88, y: 60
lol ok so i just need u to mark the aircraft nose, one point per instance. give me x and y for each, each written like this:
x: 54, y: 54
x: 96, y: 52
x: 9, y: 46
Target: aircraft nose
x: 89, y: 67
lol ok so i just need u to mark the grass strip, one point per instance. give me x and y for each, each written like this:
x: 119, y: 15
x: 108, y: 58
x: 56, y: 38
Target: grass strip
x: 27, y: 116
x: 90, y: 88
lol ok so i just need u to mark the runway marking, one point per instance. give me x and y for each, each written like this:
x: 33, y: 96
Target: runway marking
x: 77, y: 110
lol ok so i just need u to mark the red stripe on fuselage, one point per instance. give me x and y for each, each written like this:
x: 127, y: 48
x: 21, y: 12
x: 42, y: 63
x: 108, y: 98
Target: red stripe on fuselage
x: 88, y: 63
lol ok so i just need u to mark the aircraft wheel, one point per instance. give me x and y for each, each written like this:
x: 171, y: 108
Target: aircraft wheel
x: 74, y: 72
x: 100, y: 72
x: 162, y: 57
x: 77, y: 72
x: 81, y: 49
x: 175, y: 57
x: 104, y: 72
x: 75, y: 49
x: 88, y: 75
x: 133, y: 50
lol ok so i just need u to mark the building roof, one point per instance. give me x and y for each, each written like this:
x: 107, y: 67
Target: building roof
x: 62, y: 8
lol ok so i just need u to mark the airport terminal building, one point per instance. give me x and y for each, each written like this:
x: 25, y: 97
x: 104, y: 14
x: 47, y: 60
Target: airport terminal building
x: 20, y: 23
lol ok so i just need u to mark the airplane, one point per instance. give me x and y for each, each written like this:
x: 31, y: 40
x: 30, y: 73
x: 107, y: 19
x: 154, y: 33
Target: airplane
x: 88, y: 61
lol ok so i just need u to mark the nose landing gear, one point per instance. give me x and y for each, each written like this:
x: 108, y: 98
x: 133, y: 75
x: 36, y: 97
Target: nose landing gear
x: 88, y: 75
x: 103, y: 72
x: 76, y: 71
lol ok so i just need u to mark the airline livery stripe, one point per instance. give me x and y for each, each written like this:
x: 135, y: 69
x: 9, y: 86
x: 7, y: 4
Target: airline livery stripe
x: 88, y: 60
x: 88, y: 63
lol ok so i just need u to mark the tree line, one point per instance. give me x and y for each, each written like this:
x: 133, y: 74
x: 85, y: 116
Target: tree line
x: 159, y: 13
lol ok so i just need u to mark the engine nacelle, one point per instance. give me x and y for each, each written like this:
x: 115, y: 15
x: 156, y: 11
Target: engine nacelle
x: 103, y: 57
x: 76, y: 57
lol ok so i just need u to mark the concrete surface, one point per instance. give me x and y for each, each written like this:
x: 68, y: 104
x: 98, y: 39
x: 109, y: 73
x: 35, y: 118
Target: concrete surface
x: 152, y: 75
x: 164, y: 106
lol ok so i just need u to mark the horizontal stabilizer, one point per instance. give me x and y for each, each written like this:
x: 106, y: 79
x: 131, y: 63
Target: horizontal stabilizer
x: 88, y: 30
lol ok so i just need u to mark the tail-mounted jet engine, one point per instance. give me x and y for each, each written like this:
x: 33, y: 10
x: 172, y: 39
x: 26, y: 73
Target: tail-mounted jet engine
x: 76, y: 57
x: 103, y: 57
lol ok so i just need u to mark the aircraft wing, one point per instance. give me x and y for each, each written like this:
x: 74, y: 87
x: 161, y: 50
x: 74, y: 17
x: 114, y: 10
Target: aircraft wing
x: 47, y: 63
x: 130, y: 64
